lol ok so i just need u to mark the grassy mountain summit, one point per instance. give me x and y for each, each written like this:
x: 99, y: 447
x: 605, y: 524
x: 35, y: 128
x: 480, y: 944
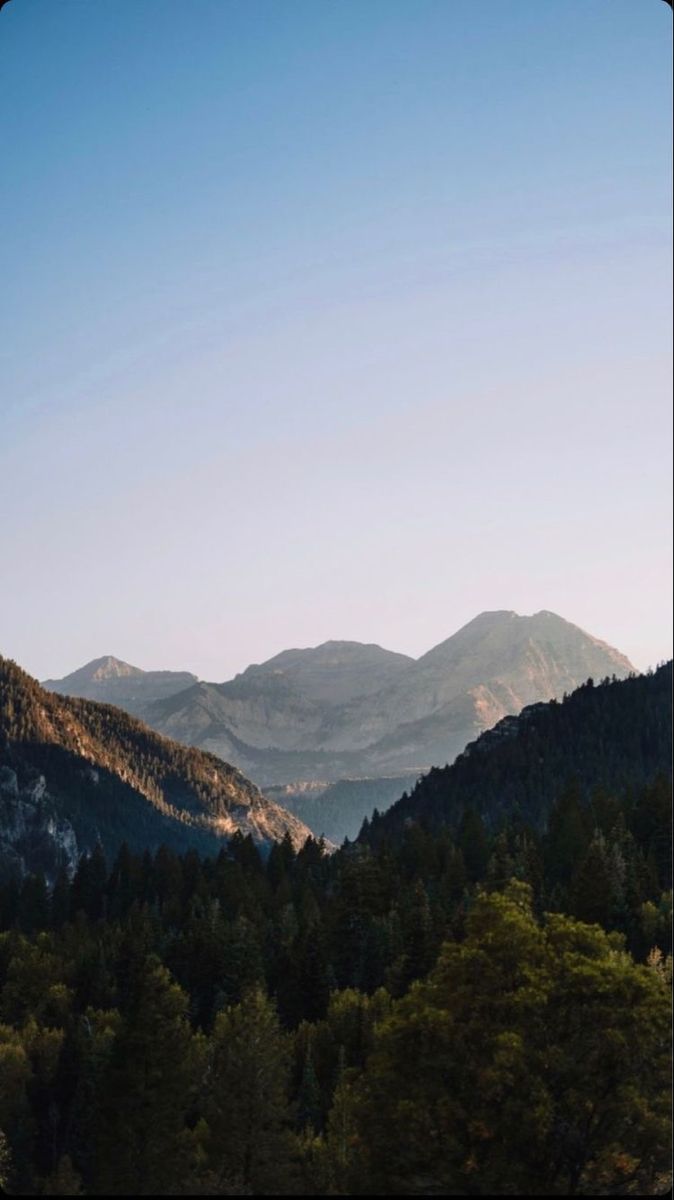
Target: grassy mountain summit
x: 347, y: 710
x: 108, y: 777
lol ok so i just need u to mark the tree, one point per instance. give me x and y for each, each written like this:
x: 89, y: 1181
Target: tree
x: 146, y: 1091
x: 473, y: 844
x: 519, y: 1066
x: 593, y: 896
x: 313, y: 975
x: 309, y: 1115
x: 88, y: 887
x: 567, y: 837
x: 246, y: 1105
x: 5, y: 1161
x: 33, y: 904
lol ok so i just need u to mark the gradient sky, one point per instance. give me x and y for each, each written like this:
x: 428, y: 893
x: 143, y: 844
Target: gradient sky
x: 331, y: 319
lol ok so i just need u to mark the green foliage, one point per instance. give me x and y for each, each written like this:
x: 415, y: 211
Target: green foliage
x: 402, y: 1015
x: 526, y: 1057
x: 246, y: 1103
x: 146, y: 1090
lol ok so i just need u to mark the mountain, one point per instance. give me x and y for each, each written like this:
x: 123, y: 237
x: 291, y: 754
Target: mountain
x: 331, y: 674
x: 347, y: 710
x: 74, y: 772
x: 337, y: 810
x: 309, y: 714
x: 610, y: 739
x: 112, y: 681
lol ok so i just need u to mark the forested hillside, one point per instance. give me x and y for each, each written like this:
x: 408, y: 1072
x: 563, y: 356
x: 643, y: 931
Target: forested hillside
x: 613, y: 736
x: 475, y: 1007
x: 75, y: 769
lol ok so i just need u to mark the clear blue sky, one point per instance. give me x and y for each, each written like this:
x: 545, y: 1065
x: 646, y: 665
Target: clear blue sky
x: 331, y: 319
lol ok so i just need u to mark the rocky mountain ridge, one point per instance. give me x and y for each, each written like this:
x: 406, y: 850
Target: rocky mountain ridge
x: 347, y: 710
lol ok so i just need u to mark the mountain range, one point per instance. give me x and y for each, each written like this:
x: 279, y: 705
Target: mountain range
x: 74, y: 772
x: 348, y: 710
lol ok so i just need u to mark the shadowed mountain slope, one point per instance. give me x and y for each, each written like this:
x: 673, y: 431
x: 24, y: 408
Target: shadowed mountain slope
x: 612, y: 737
x: 88, y: 772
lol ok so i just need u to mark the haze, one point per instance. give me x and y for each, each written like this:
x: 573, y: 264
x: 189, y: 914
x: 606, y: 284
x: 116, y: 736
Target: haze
x: 331, y: 320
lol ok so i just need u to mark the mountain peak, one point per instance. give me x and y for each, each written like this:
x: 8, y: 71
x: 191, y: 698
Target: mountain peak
x: 108, y: 667
x: 496, y: 639
x: 114, y: 681
x: 99, y: 670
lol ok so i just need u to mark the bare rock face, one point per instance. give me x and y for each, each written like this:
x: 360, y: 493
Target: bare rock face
x: 33, y: 836
x: 345, y: 710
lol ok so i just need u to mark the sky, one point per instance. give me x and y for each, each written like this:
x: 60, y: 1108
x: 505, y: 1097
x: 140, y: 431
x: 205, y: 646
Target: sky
x: 331, y: 319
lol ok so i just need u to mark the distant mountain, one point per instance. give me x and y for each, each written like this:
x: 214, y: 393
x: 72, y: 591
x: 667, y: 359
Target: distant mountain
x: 332, y: 674
x: 310, y: 714
x: 347, y: 710
x: 73, y: 772
x: 611, y: 738
x: 337, y: 810
x: 111, y: 681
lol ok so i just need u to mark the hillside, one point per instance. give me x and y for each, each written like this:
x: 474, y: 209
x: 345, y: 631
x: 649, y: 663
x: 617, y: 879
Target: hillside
x: 613, y: 737
x: 447, y: 972
x: 346, y: 710
x: 75, y: 771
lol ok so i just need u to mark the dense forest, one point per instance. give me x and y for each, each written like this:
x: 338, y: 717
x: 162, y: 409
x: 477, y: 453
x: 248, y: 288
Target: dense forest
x: 471, y: 1006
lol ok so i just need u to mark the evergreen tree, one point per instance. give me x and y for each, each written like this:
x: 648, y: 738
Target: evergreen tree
x: 309, y: 1114
x: 474, y: 845
x: 146, y: 1091
x: 247, y: 1107
x: 594, y: 891
x: 33, y: 911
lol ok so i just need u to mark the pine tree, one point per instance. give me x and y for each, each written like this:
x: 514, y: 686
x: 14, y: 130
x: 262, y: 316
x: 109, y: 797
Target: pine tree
x: 59, y: 904
x: 309, y: 1109
x: 33, y: 904
x: 313, y: 975
x: 472, y: 839
x: 567, y: 838
x: 593, y: 894
x: 146, y: 1091
x: 247, y: 1107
